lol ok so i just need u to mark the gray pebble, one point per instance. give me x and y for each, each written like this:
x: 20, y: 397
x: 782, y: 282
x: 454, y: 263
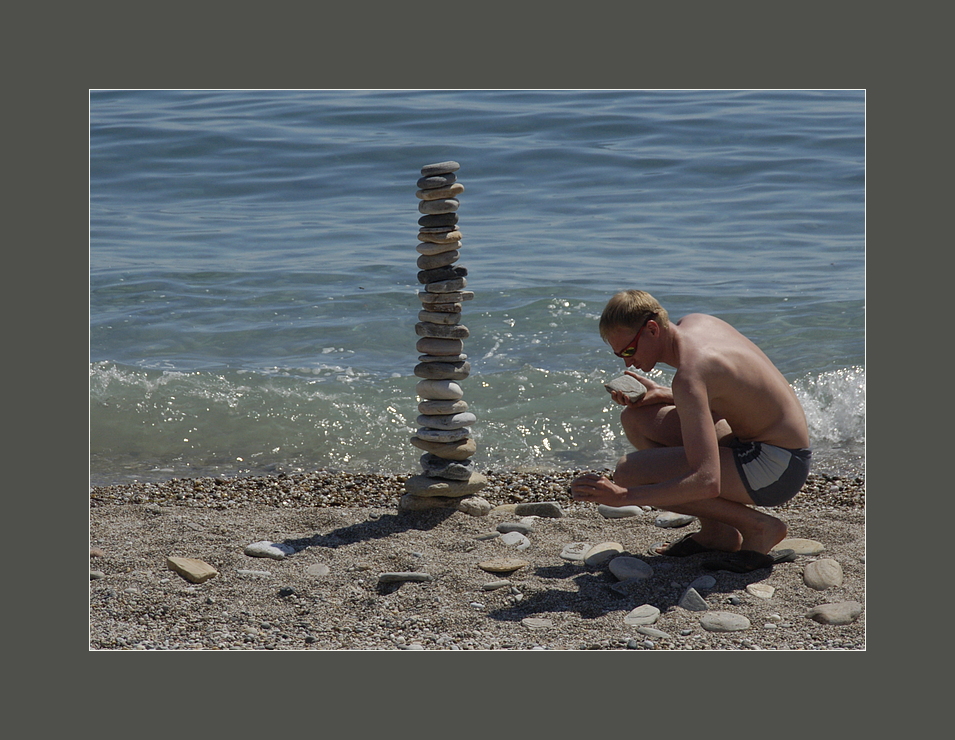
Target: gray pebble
x: 724, y: 622
x: 437, y: 181
x: 692, y: 601
x: 440, y: 168
x: 522, y: 527
x: 442, y: 205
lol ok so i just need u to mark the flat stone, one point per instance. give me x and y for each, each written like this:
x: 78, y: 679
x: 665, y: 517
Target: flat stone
x: 456, y: 296
x: 436, y: 229
x: 459, y: 450
x: 644, y: 614
x: 651, y: 632
x: 442, y: 358
x: 724, y: 622
x: 521, y: 527
x: 438, y: 219
x: 265, y: 549
x: 451, y: 191
x: 626, y: 568
x: 447, y: 286
x: 440, y: 168
x: 442, y: 273
x: 629, y: 386
x: 503, y: 565
x: 437, y: 307
x: 439, y: 467
x: 618, y: 512
x: 670, y: 519
x: 822, y: 574
x: 402, y: 576
x: 439, y: 408
x: 429, y: 330
x: 436, y: 237
x: 253, y: 573
x: 96, y: 575
x: 438, y: 390
x: 495, y: 585
x: 801, y: 546
x: 441, y: 259
x: 515, y: 539
x: 437, y: 181
x: 845, y: 612
x: 443, y: 435
x: 549, y: 509
x: 760, y: 590
x: 692, y: 601
x: 430, y: 249
x: 440, y: 346
x: 318, y: 569
x: 448, y: 421
x: 600, y: 554
x: 422, y: 485
x: 444, y: 205
x: 193, y: 570
x: 474, y: 506
x: 443, y: 370
x: 439, y: 317
x: 575, y: 551
x: 537, y: 623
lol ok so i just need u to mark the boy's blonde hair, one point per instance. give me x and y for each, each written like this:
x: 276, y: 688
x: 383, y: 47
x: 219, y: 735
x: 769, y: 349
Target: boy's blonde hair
x: 631, y: 308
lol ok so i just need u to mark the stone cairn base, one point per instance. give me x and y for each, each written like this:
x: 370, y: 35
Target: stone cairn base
x: 448, y: 478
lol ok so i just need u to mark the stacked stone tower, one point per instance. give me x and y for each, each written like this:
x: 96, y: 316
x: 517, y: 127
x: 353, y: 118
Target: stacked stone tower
x: 448, y: 477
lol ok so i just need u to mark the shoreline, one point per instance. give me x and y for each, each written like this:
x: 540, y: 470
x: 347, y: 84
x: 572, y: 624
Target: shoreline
x: 343, y: 531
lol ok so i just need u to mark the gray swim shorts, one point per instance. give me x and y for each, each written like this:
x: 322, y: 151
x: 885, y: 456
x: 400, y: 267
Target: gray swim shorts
x: 772, y: 475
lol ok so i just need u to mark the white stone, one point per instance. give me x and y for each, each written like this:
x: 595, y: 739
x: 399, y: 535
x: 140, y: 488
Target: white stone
x: 644, y: 614
x: 823, y: 574
x: 515, y: 539
x: 474, y: 506
x: 575, y: 551
x: 724, y: 622
x: 265, y: 549
x: 844, y: 612
x: 761, y: 590
x: 801, y: 546
x: 618, y: 512
x: 600, y: 554
x: 670, y: 519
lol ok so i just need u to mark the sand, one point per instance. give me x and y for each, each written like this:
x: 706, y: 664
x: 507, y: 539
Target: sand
x: 346, y: 531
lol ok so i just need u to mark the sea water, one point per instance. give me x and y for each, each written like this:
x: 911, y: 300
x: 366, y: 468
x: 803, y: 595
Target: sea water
x: 253, y: 279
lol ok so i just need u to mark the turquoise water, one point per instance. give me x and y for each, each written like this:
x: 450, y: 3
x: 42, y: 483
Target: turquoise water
x: 253, y: 276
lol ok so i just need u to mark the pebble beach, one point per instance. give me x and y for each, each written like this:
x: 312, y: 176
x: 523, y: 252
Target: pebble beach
x: 330, y: 560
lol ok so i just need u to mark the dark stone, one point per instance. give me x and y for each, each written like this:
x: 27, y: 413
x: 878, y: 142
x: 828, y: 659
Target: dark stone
x: 437, y: 181
x: 443, y: 273
x: 438, y: 219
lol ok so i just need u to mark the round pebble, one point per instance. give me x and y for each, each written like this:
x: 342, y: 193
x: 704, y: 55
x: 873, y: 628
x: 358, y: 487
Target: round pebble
x: 724, y: 622
x: 644, y: 614
x: 440, y: 168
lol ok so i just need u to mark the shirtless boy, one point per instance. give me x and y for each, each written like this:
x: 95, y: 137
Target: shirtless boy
x: 728, y: 435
